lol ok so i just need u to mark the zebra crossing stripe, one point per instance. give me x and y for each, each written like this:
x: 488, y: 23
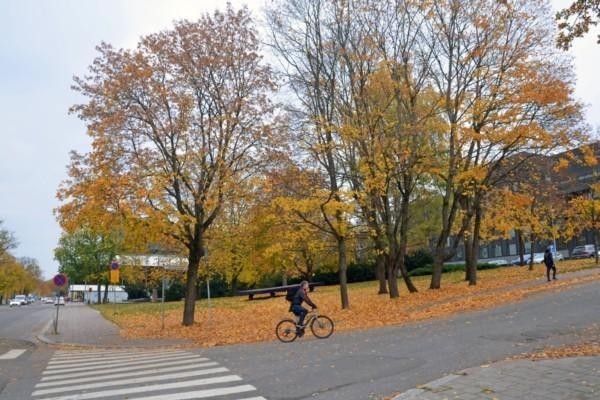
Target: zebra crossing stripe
x: 130, y: 355
x: 59, y: 354
x: 12, y: 354
x: 122, y: 362
x: 199, y: 394
x: 133, y: 381
x: 149, y: 388
x: 183, y: 364
x: 254, y: 398
x: 95, y: 377
x: 94, y: 366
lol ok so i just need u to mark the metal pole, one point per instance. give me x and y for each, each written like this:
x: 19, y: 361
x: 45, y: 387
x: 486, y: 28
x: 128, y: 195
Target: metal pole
x: 162, y: 305
x: 208, y: 285
x: 56, y: 320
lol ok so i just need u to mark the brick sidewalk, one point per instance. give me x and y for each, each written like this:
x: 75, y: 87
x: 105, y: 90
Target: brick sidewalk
x: 81, y: 325
x: 576, y: 378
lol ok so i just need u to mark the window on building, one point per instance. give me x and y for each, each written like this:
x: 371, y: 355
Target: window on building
x: 512, y: 249
x: 497, y: 250
x: 484, y: 252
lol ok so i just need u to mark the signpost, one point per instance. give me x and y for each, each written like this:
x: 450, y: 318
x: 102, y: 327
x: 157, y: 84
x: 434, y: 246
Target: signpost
x: 114, y: 279
x: 59, y: 280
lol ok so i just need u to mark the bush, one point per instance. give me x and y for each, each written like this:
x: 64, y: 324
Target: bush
x: 175, y: 291
x: 135, y: 291
x: 218, y: 287
x: 427, y: 270
x: 417, y: 259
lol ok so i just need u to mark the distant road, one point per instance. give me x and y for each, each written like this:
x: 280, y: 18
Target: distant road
x: 25, y: 322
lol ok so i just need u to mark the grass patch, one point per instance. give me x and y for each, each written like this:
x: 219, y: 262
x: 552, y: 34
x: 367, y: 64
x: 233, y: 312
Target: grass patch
x: 238, y: 320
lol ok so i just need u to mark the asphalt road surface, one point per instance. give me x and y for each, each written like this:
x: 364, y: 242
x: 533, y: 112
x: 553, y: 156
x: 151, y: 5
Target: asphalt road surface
x: 18, y: 329
x: 374, y: 363
x: 359, y: 365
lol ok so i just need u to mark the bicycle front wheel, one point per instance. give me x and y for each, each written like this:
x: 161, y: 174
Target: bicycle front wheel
x: 322, y: 326
x: 286, y: 331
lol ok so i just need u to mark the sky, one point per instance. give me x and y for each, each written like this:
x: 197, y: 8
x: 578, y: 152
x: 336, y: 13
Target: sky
x: 43, y: 44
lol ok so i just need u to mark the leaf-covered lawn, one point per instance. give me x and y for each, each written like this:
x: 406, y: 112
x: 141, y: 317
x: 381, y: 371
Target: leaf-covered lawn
x: 237, y: 320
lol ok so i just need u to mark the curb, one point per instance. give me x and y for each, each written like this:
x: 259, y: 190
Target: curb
x: 42, y: 336
x: 45, y: 339
x: 433, y: 386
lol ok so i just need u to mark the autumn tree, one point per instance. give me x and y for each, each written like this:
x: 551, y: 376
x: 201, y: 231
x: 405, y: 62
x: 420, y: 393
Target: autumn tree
x: 491, y: 61
x: 576, y: 20
x: 185, y: 117
x: 303, y: 36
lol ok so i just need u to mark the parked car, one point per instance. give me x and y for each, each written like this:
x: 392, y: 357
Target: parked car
x: 498, y: 262
x: 15, y: 302
x: 538, y: 258
x: 48, y: 300
x: 60, y: 301
x: 585, y: 251
x: 22, y: 299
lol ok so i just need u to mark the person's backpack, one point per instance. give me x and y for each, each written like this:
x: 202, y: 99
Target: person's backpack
x: 291, y: 293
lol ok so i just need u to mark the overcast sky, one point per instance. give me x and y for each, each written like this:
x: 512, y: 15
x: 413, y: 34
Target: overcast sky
x: 43, y: 44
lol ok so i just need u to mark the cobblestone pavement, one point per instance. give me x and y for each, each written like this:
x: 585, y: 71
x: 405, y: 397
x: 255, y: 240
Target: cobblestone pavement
x: 576, y: 378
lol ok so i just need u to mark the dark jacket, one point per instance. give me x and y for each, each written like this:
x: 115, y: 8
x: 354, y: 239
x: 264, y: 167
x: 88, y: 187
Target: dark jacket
x: 300, y: 297
x: 548, y: 259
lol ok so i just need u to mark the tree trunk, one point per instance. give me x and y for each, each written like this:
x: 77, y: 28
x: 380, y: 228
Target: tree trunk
x: 436, y: 272
x: 596, y: 244
x: 380, y: 273
x: 468, y: 251
x: 342, y: 272
x: 189, y: 306
x: 392, y: 279
x: 404, y: 220
x: 521, y: 242
x: 474, y: 258
x: 99, y: 293
x: 105, y: 299
x: 284, y: 280
x: 531, y: 251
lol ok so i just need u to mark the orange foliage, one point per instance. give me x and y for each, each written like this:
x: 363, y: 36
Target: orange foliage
x: 237, y: 320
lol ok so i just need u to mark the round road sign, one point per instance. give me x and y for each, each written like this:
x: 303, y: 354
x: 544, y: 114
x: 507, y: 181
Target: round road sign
x: 59, y: 280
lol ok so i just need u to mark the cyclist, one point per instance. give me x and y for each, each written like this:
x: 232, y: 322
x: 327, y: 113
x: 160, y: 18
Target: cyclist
x: 300, y: 297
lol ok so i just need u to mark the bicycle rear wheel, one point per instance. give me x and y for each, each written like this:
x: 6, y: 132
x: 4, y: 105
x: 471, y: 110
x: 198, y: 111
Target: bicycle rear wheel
x: 321, y: 326
x: 286, y: 331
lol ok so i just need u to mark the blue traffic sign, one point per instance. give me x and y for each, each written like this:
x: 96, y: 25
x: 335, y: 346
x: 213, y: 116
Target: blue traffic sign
x: 59, y: 280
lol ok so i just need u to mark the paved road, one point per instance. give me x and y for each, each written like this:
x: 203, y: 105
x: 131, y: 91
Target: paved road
x: 18, y: 329
x: 24, y: 322
x: 358, y: 365
x: 369, y: 364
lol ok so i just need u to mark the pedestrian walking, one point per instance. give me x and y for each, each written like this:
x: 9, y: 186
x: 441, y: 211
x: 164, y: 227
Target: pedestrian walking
x: 549, y: 261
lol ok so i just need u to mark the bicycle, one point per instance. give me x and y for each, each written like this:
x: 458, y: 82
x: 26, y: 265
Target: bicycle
x: 321, y: 327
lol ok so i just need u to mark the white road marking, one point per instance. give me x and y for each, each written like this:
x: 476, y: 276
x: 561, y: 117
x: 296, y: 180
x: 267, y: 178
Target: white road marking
x: 253, y: 398
x: 133, y: 381
x: 100, y: 361
x: 101, y: 357
x: 95, y: 376
x: 182, y: 364
x: 149, y: 388
x: 199, y: 394
x: 12, y: 354
x: 94, y: 366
